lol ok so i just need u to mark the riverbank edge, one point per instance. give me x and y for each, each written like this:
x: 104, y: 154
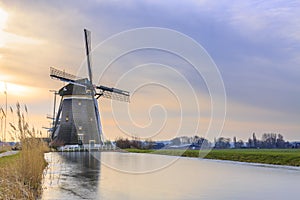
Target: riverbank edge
x: 11, y: 162
x: 281, y: 157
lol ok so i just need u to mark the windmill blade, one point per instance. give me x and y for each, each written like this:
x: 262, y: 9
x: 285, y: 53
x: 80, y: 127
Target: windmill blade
x: 99, y: 126
x: 114, y: 90
x: 63, y: 76
x: 115, y: 96
x: 113, y: 93
x: 88, y: 47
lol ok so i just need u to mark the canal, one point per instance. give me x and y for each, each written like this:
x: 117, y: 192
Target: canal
x: 111, y: 175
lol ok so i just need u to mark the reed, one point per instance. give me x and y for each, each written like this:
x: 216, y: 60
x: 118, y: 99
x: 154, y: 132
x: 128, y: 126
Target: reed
x: 21, y: 174
x: 4, y: 148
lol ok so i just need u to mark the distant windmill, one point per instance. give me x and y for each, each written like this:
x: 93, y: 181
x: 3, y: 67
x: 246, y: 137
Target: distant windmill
x: 78, y: 118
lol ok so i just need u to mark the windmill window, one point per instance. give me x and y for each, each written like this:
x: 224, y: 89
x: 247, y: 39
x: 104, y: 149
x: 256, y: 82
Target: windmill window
x: 80, y: 127
x: 67, y: 118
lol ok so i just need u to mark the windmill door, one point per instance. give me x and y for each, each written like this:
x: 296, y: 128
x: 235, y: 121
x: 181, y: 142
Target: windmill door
x: 80, y: 139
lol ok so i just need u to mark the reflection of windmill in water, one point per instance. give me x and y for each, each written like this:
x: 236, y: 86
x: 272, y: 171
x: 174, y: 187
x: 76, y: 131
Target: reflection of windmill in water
x: 78, y: 118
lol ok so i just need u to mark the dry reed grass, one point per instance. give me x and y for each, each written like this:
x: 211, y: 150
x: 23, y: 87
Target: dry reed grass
x: 21, y: 176
x: 4, y: 148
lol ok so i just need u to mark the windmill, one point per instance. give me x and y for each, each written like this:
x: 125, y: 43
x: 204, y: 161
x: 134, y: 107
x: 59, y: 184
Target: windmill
x: 78, y: 118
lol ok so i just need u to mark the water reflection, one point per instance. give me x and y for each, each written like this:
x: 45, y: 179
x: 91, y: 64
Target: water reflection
x: 71, y: 175
x: 81, y: 176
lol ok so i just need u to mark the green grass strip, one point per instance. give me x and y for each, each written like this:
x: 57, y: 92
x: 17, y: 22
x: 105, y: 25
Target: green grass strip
x: 8, y: 159
x: 290, y: 157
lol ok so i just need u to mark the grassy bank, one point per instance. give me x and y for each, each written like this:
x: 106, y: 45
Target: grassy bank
x: 8, y: 159
x: 21, y: 174
x: 290, y: 157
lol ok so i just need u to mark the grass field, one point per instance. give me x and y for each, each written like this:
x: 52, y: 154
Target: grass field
x: 8, y: 159
x: 289, y: 157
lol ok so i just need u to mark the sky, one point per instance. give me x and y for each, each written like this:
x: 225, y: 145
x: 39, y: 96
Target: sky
x: 255, y: 46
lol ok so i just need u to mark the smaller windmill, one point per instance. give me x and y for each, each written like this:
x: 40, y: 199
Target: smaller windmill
x: 78, y: 118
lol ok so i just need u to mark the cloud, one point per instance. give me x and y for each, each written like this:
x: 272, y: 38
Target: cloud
x: 255, y: 44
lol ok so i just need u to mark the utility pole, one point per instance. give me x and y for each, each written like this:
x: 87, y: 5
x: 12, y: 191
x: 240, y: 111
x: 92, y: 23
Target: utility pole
x: 54, y: 106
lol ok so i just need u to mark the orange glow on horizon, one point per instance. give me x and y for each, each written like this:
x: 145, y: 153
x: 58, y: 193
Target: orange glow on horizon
x: 13, y: 89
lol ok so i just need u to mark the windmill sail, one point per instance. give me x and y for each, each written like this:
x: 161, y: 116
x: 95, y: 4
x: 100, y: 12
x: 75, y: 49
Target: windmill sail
x: 113, y: 93
x: 106, y: 92
x: 88, y: 47
x: 62, y: 75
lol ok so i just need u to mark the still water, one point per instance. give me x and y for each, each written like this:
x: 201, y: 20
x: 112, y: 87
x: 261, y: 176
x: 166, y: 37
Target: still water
x: 110, y: 175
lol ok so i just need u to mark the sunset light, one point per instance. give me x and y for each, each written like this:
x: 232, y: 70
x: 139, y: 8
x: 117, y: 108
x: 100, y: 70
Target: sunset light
x: 14, y: 89
x: 3, y: 19
x: 91, y: 91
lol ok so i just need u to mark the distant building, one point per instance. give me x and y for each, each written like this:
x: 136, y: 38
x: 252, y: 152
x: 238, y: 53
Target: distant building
x: 158, y: 145
x: 295, y: 145
x: 185, y: 140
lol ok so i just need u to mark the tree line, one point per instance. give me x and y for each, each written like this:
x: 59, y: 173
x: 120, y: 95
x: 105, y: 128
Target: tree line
x: 267, y: 141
